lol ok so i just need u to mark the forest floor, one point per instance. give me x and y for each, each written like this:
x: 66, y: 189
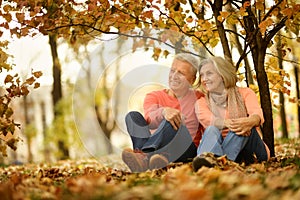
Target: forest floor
x: 109, y: 178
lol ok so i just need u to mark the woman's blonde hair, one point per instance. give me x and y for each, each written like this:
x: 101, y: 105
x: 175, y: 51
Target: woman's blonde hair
x: 225, y: 69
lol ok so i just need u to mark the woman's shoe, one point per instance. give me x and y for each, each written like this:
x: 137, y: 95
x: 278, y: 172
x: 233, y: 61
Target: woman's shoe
x: 206, y: 159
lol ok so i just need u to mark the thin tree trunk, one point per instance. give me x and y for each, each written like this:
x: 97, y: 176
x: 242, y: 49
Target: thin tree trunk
x: 284, y: 130
x: 27, y: 121
x: 57, y: 88
x: 217, y: 7
x: 296, y: 72
x: 281, y: 97
x: 46, y: 149
x: 248, y: 73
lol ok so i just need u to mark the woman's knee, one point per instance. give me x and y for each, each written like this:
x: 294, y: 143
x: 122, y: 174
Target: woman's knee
x: 212, y: 130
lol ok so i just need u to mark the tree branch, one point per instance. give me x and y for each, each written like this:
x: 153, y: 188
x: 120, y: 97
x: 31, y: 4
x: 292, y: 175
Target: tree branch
x: 286, y: 60
x: 275, y: 30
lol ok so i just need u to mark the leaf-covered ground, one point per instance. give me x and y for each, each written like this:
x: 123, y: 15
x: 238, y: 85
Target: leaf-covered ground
x: 110, y: 179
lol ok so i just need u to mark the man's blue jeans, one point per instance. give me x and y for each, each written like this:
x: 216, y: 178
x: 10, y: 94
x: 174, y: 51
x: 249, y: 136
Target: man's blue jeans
x: 236, y: 147
x: 178, y: 145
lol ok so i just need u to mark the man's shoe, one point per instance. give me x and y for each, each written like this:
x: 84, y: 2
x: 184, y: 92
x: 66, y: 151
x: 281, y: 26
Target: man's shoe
x: 158, y: 161
x: 136, y: 161
x: 207, y: 160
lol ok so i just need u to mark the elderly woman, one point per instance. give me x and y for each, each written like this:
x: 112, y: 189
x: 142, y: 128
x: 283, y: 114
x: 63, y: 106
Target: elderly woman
x: 231, y: 116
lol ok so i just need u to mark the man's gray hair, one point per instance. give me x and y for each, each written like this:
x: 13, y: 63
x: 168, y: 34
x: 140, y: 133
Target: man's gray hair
x: 187, y: 57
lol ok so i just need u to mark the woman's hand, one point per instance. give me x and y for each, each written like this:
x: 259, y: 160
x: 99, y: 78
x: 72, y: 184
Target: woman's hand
x: 243, y: 126
x: 240, y: 126
x: 173, y: 116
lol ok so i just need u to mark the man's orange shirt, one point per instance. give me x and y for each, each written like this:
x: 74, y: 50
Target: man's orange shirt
x: 156, y: 100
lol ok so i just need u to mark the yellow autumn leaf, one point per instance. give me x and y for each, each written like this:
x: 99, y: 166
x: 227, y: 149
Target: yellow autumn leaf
x: 243, y: 32
x: 9, y: 112
x: 207, y: 25
x: 213, y: 42
x: 174, y: 28
x: 246, y: 4
x: 25, y: 32
x: 292, y: 99
x: 37, y: 74
x: 12, y: 142
x: 37, y: 85
x: 223, y: 15
x: 7, y: 17
x: 275, y: 12
x: 265, y: 24
x: 20, y: 17
x: 24, y: 90
x: 259, y: 5
x: 189, y: 19
x: 243, y: 12
x: 220, y: 18
x: 198, y: 34
x: 7, y: 8
x: 8, y: 79
x: 287, y: 12
x: 232, y: 19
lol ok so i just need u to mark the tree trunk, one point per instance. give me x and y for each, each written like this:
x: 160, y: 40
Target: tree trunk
x: 57, y: 89
x: 258, y: 48
x: 265, y: 100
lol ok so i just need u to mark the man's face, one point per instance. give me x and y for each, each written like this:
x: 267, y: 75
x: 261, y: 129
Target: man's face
x: 181, y: 75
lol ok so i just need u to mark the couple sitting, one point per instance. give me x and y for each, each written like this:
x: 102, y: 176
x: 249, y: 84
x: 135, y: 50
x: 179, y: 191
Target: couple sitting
x: 175, y: 118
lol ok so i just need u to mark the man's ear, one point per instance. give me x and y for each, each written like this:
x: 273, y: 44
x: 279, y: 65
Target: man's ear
x: 193, y: 80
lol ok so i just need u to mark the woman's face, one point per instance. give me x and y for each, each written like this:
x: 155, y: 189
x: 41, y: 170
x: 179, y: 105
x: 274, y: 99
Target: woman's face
x: 211, y: 80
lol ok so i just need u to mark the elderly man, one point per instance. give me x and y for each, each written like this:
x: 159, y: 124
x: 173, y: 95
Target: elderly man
x: 169, y: 130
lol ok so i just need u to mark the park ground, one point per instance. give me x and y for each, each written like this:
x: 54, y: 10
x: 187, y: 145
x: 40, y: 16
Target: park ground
x: 109, y: 178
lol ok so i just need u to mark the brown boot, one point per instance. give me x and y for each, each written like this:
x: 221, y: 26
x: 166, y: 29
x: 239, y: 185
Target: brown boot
x: 137, y: 161
x: 158, y: 161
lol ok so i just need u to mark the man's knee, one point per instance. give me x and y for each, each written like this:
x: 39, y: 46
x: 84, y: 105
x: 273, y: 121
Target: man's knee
x: 135, y: 117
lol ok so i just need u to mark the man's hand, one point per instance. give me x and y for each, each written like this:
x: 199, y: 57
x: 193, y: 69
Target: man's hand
x: 173, y: 116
